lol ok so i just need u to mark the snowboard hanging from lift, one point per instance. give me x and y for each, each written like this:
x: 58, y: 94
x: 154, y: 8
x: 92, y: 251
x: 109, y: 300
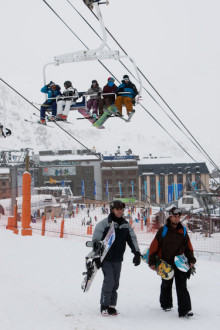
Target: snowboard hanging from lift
x: 100, y: 252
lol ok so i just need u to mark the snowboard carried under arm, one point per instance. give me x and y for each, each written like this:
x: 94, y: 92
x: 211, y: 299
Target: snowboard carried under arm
x: 162, y: 267
x: 99, y: 251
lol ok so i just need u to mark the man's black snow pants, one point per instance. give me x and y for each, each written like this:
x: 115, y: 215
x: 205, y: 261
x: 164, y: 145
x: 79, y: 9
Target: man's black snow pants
x: 183, y: 297
x: 111, y: 271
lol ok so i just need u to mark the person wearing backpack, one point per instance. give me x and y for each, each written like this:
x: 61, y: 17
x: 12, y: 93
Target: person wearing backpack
x: 172, y: 240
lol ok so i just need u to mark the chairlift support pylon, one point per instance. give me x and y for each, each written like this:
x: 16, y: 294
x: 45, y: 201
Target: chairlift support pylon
x: 95, y: 54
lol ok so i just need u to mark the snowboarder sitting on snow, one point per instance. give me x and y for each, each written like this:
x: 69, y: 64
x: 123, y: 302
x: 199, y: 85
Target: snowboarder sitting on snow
x: 108, y: 99
x: 167, y: 246
x: 125, y: 98
x: 95, y: 92
x: 62, y: 112
x: 52, y: 90
x: 111, y: 265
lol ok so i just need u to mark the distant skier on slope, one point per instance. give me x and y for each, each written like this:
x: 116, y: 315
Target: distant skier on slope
x: 111, y: 266
x: 52, y: 90
x: 4, y: 132
x: 63, y: 105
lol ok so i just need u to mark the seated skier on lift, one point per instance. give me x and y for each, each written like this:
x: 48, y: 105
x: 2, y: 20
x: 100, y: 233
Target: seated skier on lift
x: 95, y: 92
x: 109, y: 99
x: 52, y: 90
x: 63, y: 105
x: 4, y: 132
x: 126, y: 93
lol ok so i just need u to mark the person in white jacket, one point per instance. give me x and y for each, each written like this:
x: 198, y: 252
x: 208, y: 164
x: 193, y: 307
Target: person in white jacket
x: 70, y: 95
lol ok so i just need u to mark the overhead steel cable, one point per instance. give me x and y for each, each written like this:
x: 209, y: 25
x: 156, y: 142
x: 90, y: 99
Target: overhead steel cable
x: 134, y: 75
x: 118, y: 80
x: 78, y: 37
x: 95, y: 154
x: 209, y: 158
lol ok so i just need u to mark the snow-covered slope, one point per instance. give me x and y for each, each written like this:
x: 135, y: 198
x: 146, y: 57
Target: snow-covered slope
x: 134, y: 135
x: 40, y: 282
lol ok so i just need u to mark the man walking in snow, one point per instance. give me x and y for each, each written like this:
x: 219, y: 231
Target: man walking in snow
x: 111, y: 266
x: 166, y: 245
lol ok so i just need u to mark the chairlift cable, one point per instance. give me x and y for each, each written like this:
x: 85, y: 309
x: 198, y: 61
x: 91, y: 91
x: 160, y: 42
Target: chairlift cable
x: 74, y: 137
x: 78, y: 37
x: 210, y: 159
x: 141, y: 105
x: 135, y: 77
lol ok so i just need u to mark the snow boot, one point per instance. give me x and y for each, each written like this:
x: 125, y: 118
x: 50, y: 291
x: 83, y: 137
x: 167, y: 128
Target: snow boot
x: 112, y: 311
x: 42, y: 122
x: 188, y: 314
x: 104, y: 310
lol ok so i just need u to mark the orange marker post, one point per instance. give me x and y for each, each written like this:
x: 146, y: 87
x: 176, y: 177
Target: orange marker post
x: 142, y: 224
x: 43, y: 225
x: 62, y: 229
x: 26, y: 205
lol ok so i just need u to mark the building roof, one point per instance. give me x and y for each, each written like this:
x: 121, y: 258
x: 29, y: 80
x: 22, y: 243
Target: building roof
x: 171, y: 168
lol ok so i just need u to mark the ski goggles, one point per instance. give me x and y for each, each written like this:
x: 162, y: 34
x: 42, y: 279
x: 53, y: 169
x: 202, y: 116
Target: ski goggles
x: 126, y: 79
x: 175, y: 212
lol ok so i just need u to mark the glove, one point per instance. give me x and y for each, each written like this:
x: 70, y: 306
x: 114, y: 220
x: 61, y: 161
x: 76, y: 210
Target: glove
x: 137, y: 259
x: 98, y: 262
x: 192, y: 270
x: 99, y: 94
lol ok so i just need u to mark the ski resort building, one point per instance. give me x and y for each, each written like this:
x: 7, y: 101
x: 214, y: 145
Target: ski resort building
x: 163, y: 182
x: 75, y: 169
x: 120, y: 177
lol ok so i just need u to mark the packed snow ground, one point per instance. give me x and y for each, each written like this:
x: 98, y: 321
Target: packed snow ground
x: 40, y: 281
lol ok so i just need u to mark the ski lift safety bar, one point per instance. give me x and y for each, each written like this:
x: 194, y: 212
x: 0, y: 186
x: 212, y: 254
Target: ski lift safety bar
x: 91, y: 55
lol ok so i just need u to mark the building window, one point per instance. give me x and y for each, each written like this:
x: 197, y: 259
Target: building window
x: 179, y: 178
x: 170, y: 179
x: 197, y: 177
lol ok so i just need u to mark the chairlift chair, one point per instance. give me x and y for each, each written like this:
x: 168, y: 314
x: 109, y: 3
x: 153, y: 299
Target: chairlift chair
x: 92, y: 55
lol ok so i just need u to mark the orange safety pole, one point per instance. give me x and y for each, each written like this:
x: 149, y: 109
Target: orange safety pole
x: 142, y: 224
x: 26, y: 205
x: 11, y: 223
x: 43, y: 225
x: 62, y: 229
x: 90, y: 230
x: 77, y: 210
x: 52, y: 216
x: 16, y: 219
x: 131, y: 222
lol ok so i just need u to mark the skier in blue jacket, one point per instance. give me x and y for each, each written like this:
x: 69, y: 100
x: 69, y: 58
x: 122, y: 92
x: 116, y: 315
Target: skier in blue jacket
x: 52, y: 90
x: 126, y: 92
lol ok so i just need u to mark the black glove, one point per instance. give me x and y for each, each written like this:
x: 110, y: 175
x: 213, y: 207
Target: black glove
x: 98, y: 262
x: 192, y: 270
x: 137, y: 259
x: 99, y: 94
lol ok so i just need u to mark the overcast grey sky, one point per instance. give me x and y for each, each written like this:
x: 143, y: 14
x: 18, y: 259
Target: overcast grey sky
x: 174, y: 42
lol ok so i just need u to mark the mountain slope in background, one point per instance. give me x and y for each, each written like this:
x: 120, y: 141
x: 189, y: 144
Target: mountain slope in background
x: 135, y: 135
